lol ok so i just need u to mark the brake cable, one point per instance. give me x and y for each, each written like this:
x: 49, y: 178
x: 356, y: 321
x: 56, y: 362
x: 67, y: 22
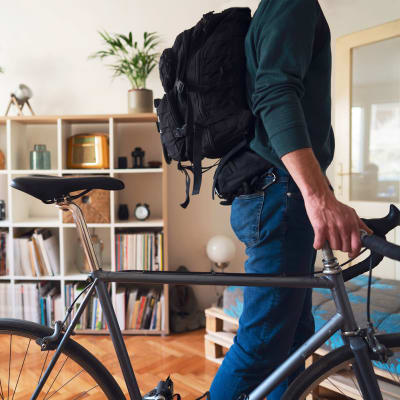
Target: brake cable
x: 369, y: 293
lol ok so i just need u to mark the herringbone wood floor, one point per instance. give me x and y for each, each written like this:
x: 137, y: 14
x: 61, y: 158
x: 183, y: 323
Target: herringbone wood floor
x: 153, y: 358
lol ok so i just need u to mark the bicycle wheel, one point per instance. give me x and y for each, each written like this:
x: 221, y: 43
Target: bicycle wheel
x: 332, y: 376
x: 76, y: 375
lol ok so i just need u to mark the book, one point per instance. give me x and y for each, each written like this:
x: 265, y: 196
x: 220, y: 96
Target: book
x: 25, y: 262
x: 38, y: 235
x: 158, y: 317
x: 33, y: 259
x: 42, y: 268
x: 19, y: 309
x: 139, y: 251
x: 120, y: 297
x: 17, y: 258
x: 161, y: 251
x: 161, y: 317
x: 141, y: 311
x: 4, y: 301
x: 132, y: 296
x: 58, y: 308
x: 99, y: 316
x: 153, y: 320
x: 30, y: 302
x: 77, y: 290
x: 135, y: 314
x: 52, y: 249
x: 150, y: 301
x: 94, y: 313
x: 3, y: 253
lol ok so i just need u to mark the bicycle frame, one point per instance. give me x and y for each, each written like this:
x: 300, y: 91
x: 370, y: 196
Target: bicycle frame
x: 332, y: 279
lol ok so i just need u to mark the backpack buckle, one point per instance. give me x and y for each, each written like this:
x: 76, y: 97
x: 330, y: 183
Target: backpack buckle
x: 180, y: 132
x: 180, y: 86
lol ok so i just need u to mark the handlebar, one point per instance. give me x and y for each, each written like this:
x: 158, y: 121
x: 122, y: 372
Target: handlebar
x: 381, y: 246
x: 377, y: 243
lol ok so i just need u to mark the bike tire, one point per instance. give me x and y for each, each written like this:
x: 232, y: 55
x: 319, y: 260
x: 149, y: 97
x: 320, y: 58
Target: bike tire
x: 327, y: 366
x: 73, y: 350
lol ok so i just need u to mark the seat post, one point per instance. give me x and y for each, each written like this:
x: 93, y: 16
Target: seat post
x: 81, y: 226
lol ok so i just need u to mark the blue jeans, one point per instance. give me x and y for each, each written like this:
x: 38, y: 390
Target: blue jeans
x: 274, y: 226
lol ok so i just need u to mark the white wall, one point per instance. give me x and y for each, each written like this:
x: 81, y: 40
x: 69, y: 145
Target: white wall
x: 46, y: 44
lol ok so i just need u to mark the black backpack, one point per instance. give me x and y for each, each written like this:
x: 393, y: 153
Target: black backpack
x: 204, y: 112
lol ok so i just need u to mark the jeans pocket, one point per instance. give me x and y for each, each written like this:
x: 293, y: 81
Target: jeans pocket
x: 245, y: 217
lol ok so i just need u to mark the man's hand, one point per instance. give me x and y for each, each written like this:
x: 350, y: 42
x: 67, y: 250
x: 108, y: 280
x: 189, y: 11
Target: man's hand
x: 331, y: 220
x: 334, y: 222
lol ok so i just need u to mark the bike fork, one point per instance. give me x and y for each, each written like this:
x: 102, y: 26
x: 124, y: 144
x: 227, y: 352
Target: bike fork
x: 364, y: 370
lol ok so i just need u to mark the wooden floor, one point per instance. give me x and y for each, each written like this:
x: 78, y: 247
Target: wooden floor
x: 153, y: 358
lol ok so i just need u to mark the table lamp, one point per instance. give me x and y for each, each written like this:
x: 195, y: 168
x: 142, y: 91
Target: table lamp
x: 19, y: 98
x: 221, y: 250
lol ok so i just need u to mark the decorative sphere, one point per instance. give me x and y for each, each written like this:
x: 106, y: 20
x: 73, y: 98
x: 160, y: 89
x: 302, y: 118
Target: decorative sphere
x: 221, y: 249
x: 23, y: 93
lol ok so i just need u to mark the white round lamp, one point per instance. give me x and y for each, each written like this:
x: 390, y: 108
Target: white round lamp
x: 23, y: 94
x: 221, y: 250
x: 19, y: 98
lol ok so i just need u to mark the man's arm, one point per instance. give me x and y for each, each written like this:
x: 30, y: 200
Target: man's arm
x: 331, y: 220
x: 284, y: 46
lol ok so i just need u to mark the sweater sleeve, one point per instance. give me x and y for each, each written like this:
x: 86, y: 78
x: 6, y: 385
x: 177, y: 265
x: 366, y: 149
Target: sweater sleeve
x: 284, y: 46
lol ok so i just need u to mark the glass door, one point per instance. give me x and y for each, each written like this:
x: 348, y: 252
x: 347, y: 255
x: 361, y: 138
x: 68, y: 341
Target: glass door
x: 367, y: 123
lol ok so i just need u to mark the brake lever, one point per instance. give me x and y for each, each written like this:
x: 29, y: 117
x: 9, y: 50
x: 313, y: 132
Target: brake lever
x: 381, y: 226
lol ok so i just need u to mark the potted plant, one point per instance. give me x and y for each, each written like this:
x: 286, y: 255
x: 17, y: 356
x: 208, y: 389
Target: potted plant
x: 134, y: 62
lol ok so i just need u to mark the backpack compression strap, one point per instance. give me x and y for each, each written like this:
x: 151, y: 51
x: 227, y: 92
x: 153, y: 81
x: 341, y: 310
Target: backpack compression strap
x: 184, y: 169
x: 193, y: 135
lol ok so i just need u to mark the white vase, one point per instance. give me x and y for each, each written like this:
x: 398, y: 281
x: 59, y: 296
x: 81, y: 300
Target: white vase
x: 140, y: 101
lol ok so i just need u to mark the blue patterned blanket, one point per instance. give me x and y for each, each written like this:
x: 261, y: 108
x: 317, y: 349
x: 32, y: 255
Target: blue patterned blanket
x: 385, y: 308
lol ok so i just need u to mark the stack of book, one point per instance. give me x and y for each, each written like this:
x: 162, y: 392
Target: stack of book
x: 40, y: 303
x: 6, y: 295
x: 140, y: 308
x: 3, y: 253
x: 140, y: 251
x: 37, y: 253
x: 92, y: 317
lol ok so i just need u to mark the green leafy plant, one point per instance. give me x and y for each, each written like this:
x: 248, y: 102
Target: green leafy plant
x: 1, y: 70
x: 129, y: 59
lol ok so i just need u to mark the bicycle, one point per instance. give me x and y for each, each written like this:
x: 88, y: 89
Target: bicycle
x: 89, y: 378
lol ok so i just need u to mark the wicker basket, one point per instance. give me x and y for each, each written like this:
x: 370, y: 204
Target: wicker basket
x: 95, y: 207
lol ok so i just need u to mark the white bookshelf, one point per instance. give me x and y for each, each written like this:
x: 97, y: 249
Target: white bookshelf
x: 147, y: 185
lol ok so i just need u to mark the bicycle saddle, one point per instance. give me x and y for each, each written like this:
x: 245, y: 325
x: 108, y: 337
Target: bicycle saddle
x: 49, y: 189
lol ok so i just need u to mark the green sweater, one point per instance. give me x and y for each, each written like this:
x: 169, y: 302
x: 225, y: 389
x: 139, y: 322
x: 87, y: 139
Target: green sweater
x: 289, y: 80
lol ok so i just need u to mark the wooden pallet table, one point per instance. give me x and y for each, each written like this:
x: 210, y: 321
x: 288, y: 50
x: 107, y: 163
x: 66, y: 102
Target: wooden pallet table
x: 216, y: 339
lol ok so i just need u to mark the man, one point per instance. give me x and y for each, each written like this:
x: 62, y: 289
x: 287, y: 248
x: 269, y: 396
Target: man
x: 289, y: 79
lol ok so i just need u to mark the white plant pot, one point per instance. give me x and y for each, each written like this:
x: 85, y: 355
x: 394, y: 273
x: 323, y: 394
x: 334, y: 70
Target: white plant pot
x: 140, y: 101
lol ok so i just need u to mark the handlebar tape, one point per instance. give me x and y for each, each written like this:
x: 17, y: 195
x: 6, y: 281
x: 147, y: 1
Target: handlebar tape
x: 381, y: 246
x: 380, y: 227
